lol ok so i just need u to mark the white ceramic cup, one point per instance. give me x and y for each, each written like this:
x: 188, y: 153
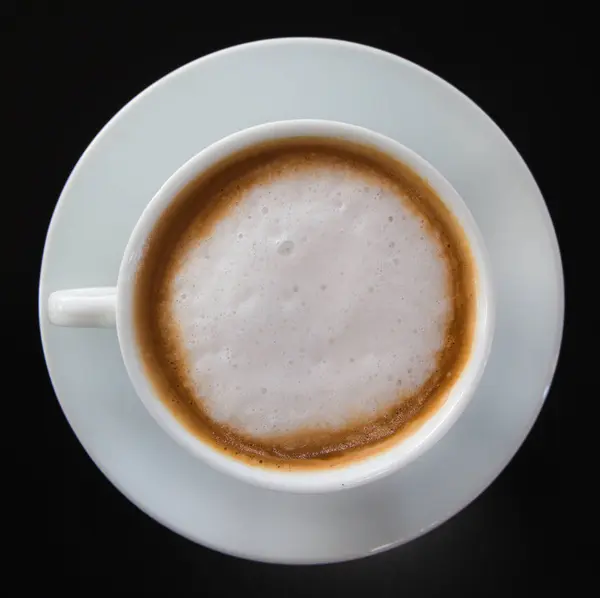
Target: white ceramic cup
x: 110, y: 306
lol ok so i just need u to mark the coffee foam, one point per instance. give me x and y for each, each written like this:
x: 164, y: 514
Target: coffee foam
x: 317, y: 301
x: 308, y: 306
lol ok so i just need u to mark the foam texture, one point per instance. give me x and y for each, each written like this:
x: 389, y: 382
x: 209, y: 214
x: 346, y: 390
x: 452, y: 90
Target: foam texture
x: 320, y: 299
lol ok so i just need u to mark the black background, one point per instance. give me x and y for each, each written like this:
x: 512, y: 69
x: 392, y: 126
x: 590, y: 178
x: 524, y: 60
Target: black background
x: 67, y: 77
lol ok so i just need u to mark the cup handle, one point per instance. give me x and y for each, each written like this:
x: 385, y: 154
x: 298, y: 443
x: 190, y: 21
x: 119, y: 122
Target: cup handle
x: 95, y: 307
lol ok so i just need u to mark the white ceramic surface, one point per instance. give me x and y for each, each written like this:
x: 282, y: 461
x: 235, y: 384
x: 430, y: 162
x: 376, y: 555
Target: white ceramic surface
x: 98, y: 307
x: 222, y: 93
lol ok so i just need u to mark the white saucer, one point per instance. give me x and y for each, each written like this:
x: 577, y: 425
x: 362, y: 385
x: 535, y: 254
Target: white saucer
x: 302, y: 78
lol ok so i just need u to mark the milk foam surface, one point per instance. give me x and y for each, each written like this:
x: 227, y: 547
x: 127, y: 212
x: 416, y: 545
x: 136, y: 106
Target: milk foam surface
x: 320, y: 299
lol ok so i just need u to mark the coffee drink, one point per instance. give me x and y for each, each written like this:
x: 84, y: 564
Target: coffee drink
x: 306, y: 302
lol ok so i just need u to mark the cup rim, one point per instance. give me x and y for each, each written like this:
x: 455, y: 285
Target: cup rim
x: 369, y: 468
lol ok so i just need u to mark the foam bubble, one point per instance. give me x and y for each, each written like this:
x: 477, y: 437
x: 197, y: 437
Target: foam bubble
x: 327, y: 295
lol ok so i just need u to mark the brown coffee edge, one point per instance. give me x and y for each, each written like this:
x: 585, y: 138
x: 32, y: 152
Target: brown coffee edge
x: 223, y: 183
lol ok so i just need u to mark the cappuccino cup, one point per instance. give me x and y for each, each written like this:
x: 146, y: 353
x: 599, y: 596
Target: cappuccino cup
x: 305, y: 305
